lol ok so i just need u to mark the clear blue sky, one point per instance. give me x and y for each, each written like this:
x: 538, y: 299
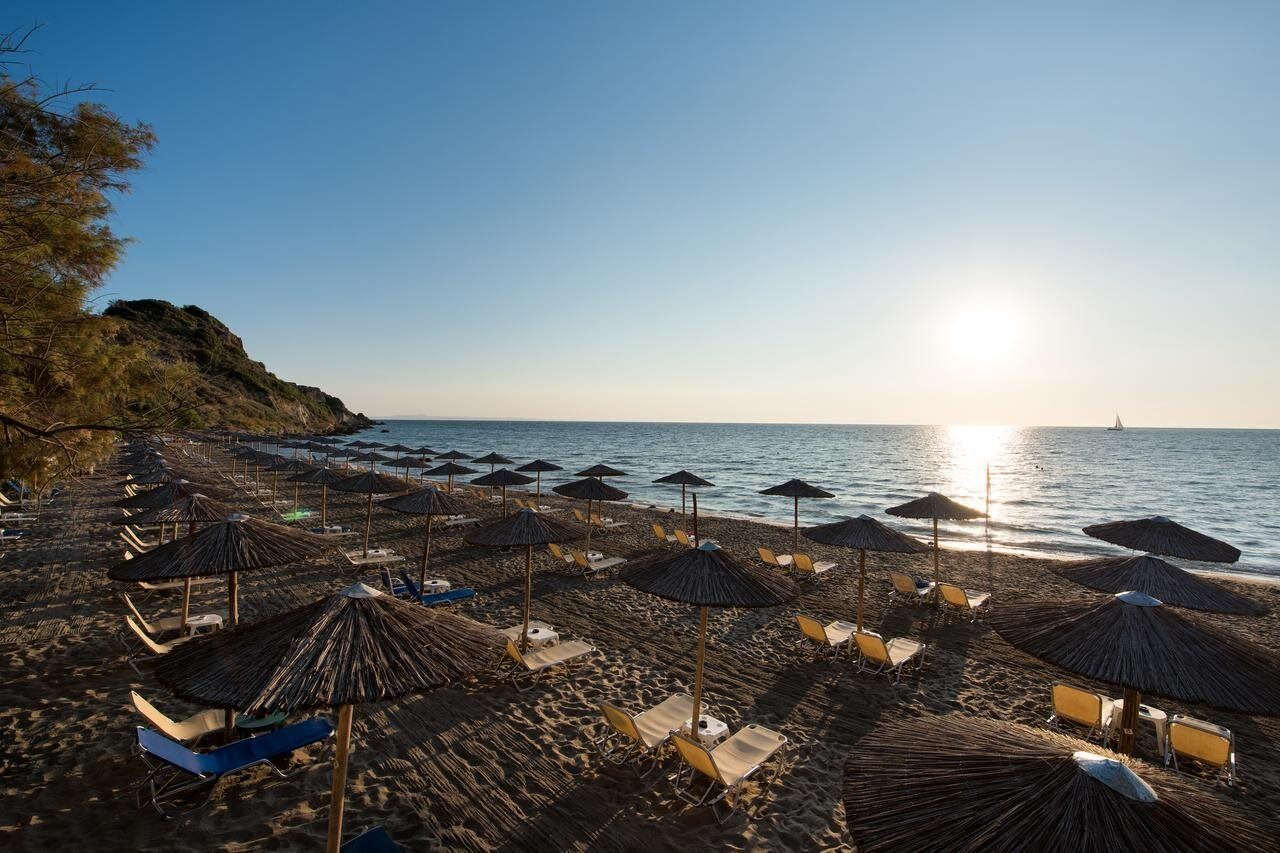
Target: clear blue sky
x: 856, y: 212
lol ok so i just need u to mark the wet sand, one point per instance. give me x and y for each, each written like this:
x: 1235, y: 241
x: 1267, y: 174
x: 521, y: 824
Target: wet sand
x: 486, y: 767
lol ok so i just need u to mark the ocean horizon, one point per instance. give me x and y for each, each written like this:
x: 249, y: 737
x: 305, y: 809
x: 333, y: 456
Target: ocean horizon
x: 1046, y: 482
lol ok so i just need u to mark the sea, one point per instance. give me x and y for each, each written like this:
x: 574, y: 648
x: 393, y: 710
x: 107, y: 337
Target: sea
x: 1039, y: 484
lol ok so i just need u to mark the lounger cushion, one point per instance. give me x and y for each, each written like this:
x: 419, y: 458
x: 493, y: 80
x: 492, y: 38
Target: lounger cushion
x: 657, y: 724
x: 749, y: 747
x: 238, y: 754
x: 557, y: 654
x: 902, y: 649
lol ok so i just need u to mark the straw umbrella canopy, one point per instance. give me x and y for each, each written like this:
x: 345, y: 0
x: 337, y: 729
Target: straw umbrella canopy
x: 589, y: 489
x: 864, y: 534
x: 452, y: 456
x: 492, y: 460
x: 539, y: 467
x: 238, y: 543
x: 429, y: 502
x: 707, y: 576
x: 424, y: 450
x: 1158, y: 579
x: 1134, y: 641
x: 324, y: 478
x: 450, y: 470
x: 153, y: 476
x: 359, y: 443
x: 1165, y: 537
x: 169, y: 493
x: 525, y: 528
x: 684, y: 479
x: 796, y: 489
x: 370, y: 483
x: 407, y: 462
x: 355, y: 646
x: 502, y: 478
x: 600, y: 470
x: 373, y: 457
x: 935, y: 506
x: 397, y: 449
x: 1009, y: 787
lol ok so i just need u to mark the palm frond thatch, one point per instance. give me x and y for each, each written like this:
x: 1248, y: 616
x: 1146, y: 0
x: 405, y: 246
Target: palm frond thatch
x: 524, y: 527
x: 1158, y: 579
x: 237, y: 544
x: 590, y: 489
x: 453, y: 456
x: 539, y: 466
x: 683, y: 478
x: 1163, y: 536
x: 192, y: 508
x: 797, y: 489
x: 936, y: 506
x: 398, y: 448
x: 708, y: 576
x: 428, y: 501
x: 450, y: 469
x: 865, y: 533
x: 355, y: 646
x: 492, y: 459
x: 601, y: 470
x: 371, y: 483
x: 1133, y: 641
x: 169, y: 493
x: 996, y: 786
x: 502, y: 477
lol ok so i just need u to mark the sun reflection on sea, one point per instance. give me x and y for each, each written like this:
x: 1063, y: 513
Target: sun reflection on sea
x: 971, y: 448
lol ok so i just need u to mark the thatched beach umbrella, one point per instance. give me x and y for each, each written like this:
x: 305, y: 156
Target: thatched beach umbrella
x: 287, y: 466
x: 407, y: 462
x: 707, y: 576
x: 1134, y: 641
x: 1009, y: 787
x: 429, y: 502
x: 492, y: 460
x: 796, y: 489
x: 238, y: 543
x: 935, y: 506
x: 525, y: 529
x: 452, y: 456
x: 450, y: 470
x: 168, y: 493
x: 370, y: 483
x: 1165, y: 537
x: 423, y: 451
x: 324, y: 478
x: 352, y: 647
x: 589, y: 490
x: 684, y: 479
x: 1158, y: 579
x: 539, y: 467
x: 600, y: 470
x: 398, y: 449
x: 864, y: 534
x: 502, y: 478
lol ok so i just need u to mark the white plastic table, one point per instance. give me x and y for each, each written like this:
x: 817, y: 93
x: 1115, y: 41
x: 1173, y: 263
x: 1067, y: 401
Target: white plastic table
x: 710, y: 730
x: 209, y: 621
x: 435, y: 585
x: 539, y: 637
x: 1158, y: 719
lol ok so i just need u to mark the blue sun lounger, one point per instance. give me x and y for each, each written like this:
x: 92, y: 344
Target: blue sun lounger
x: 176, y: 770
x: 411, y: 590
x: 373, y: 840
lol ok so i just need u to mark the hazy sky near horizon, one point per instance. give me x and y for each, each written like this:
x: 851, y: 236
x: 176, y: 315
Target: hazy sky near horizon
x: 1015, y: 213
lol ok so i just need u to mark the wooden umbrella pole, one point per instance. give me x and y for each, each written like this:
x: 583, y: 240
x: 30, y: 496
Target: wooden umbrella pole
x: 697, y: 673
x: 862, y: 581
x: 426, y: 555
x: 1129, y: 720
x: 684, y: 516
x: 587, y: 549
x: 538, y: 499
x: 275, y: 481
x: 368, y: 519
x: 695, y: 519
x: 295, y: 497
x: 324, y: 496
x: 795, y: 526
x: 337, y: 797
x: 528, y: 594
x: 504, y: 501
x: 233, y: 594
x: 186, y: 605
x: 936, y: 576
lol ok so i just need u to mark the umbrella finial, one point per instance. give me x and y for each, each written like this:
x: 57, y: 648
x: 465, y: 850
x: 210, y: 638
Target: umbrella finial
x: 706, y: 545
x: 1116, y: 775
x: 1138, y: 599
x: 360, y: 590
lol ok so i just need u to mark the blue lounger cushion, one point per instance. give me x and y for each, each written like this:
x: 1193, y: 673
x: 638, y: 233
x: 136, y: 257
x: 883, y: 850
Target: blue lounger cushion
x: 448, y: 597
x: 237, y: 755
x: 375, y: 840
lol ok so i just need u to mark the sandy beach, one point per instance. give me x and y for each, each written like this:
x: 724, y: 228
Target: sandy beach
x: 487, y: 767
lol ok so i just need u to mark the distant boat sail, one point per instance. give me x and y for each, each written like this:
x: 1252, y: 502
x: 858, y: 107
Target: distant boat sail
x: 1118, y: 426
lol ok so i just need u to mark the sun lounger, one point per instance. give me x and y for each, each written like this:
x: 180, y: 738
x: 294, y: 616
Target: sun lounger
x: 1091, y: 710
x: 805, y: 566
x: 661, y: 534
x: 607, y: 523
x: 513, y: 633
x: 434, y: 598
x: 8, y: 534
x: 175, y: 771
x: 373, y: 840
x: 966, y: 601
x: 191, y: 729
x: 592, y: 567
x: 893, y: 656
x: 826, y: 639
x: 171, y: 586
x: 726, y: 767
x: 1204, y: 742
x: 778, y: 561
x: 456, y: 520
x: 530, y: 666
x: 909, y: 589
x: 375, y: 557
x: 156, y: 627
x: 640, y: 738
x: 333, y: 530
x: 683, y: 538
x: 147, y: 644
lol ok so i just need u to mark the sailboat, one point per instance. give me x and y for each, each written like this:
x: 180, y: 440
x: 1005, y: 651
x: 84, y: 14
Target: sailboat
x: 1119, y: 426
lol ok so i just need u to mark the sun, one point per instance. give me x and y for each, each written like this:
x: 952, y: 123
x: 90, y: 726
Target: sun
x: 984, y: 335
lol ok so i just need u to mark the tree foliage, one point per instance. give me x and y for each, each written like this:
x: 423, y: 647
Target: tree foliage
x: 67, y: 385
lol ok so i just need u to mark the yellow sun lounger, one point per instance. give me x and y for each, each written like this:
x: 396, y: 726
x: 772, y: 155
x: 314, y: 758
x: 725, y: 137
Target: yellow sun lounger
x: 909, y: 590
x: 148, y: 644
x: 640, y: 738
x: 727, y: 766
x: 780, y: 561
x: 965, y: 601
x: 827, y: 639
x: 591, y: 567
x: 660, y: 533
x: 1204, y: 742
x: 1091, y: 710
x: 892, y: 656
x: 191, y: 729
x: 805, y: 566
x: 530, y: 666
